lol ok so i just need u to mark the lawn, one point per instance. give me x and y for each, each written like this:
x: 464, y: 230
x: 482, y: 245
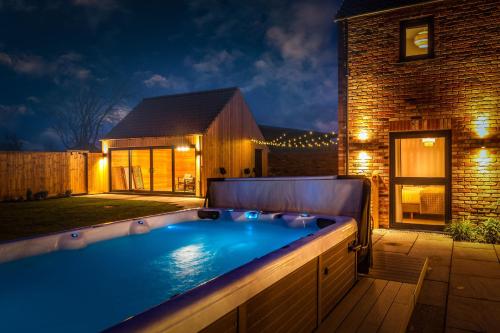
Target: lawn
x: 23, y: 219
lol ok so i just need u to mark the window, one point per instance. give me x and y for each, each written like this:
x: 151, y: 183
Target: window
x: 417, y: 39
x: 420, y: 178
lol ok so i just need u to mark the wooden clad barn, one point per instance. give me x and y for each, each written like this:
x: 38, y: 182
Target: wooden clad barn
x: 173, y: 143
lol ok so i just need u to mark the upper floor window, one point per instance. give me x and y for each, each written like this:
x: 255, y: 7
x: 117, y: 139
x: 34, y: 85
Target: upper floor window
x: 417, y: 39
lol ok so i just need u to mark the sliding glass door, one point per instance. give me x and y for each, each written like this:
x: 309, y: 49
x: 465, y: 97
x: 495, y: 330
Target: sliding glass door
x: 420, y: 178
x: 162, y: 169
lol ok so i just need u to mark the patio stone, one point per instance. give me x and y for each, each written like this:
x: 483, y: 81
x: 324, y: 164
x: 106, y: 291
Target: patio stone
x: 473, y: 314
x: 435, y: 236
x: 473, y: 245
x: 400, y: 242
x: 379, y: 231
x: 427, y: 319
x: 484, y: 254
x: 487, y: 269
x: 376, y: 238
x: 433, y: 293
x: 475, y: 287
x: 438, y: 273
x: 436, y: 257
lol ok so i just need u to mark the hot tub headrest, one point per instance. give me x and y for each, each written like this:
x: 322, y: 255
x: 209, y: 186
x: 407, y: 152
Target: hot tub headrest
x: 314, y: 195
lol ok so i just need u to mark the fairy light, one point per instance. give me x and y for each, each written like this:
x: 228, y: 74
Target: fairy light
x: 307, y: 140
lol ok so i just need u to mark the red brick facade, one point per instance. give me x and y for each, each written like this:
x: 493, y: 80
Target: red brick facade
x: 302, y: 163
x: 458, y: 89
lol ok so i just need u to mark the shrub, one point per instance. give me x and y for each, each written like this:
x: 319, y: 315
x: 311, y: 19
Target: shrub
x: 490, y: 230
x: 463, y: 230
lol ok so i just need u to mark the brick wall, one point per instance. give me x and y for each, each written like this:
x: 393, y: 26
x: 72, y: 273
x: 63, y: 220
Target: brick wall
x: 458, y: 89
x: 302, y: 163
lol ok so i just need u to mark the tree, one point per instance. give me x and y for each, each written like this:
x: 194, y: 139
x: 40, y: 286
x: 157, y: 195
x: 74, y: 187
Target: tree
x: 80, y: 120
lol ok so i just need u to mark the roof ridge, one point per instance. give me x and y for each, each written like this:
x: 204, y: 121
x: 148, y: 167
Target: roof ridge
x: 193, y: 93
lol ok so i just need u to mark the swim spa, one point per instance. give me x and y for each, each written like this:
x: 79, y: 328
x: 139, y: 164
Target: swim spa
x: 186, y: 271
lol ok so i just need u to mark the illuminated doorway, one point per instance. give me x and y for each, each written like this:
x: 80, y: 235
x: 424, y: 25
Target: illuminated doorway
x: 420, y: 179
x: 158, y: 169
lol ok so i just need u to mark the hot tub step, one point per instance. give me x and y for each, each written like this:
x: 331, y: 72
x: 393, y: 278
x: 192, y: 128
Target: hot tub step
x: 383, y: 301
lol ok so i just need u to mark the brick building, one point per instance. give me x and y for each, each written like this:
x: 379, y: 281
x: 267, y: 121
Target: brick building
x: 419, y: 91
x: 317, y: 160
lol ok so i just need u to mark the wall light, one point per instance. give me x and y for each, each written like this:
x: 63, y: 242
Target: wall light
x: 363, y: 155
x: 363, y: 135
x: 182, y: 148
x: 483, y: 159
x: 105, y: 147
x: 482, y: 126
x: 429, y: 142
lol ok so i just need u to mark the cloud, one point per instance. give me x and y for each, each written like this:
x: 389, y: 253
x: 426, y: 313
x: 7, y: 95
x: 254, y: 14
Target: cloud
x: 214, y: 62
x: 33, y: 99
x: 63, y: 66
x: 117, y: 114
x: 10, y: 113
x: 160, y: 81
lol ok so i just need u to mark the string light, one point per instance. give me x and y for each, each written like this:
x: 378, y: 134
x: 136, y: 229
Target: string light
x: 307, y: 140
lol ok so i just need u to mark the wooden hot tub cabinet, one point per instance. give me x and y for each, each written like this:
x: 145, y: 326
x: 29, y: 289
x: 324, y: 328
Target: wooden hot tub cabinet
x: 300, y: 301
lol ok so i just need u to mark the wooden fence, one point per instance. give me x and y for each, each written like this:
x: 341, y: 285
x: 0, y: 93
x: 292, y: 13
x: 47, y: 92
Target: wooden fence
x: 55, y: 172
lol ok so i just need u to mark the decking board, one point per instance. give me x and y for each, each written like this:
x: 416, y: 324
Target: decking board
x: 381, y: 301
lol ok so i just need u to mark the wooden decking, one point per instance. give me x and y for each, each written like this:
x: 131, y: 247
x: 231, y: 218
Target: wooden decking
x: 382, y: 301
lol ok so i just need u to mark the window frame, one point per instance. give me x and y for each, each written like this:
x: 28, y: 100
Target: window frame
x: 393, y: 180
x: 429, y: 21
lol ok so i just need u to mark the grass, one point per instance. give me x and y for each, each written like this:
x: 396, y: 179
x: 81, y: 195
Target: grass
x: 23, y: 219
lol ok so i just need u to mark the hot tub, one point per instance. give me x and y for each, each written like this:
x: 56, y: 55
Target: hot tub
x: 212, y: 269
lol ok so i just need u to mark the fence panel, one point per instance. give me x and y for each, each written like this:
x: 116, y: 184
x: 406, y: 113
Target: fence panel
x: 54, y: 172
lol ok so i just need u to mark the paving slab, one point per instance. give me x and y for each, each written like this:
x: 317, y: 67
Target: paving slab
x: 484, y: 254
x: 439, y: 244
x: 399, y: 242
x: 433, y: 293
x: 427, y: 318
x: 473, y: 245
x: 376, y: 238
x: 438, y: 273
x: 435, y: 236
x: 475, y: 287
x: 473, y: 314
x: 437, y: 257
x: 486, y: 269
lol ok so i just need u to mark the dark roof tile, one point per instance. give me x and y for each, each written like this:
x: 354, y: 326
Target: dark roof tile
x: 173, y: 115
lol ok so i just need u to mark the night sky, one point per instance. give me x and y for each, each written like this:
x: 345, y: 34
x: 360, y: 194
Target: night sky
x: 282, y: 54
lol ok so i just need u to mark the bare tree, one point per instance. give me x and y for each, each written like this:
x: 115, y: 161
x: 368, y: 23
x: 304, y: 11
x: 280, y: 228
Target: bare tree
x: 80, y: 120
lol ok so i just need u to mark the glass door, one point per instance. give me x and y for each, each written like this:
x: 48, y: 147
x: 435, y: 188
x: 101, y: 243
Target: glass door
x: 140, y: 169
x: 162, y: 170
x: 420, y: 179
x: 119, y: 170
x: 185, y: 169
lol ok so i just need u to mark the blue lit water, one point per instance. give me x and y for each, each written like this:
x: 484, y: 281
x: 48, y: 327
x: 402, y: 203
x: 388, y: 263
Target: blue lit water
x: 96, y: 287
